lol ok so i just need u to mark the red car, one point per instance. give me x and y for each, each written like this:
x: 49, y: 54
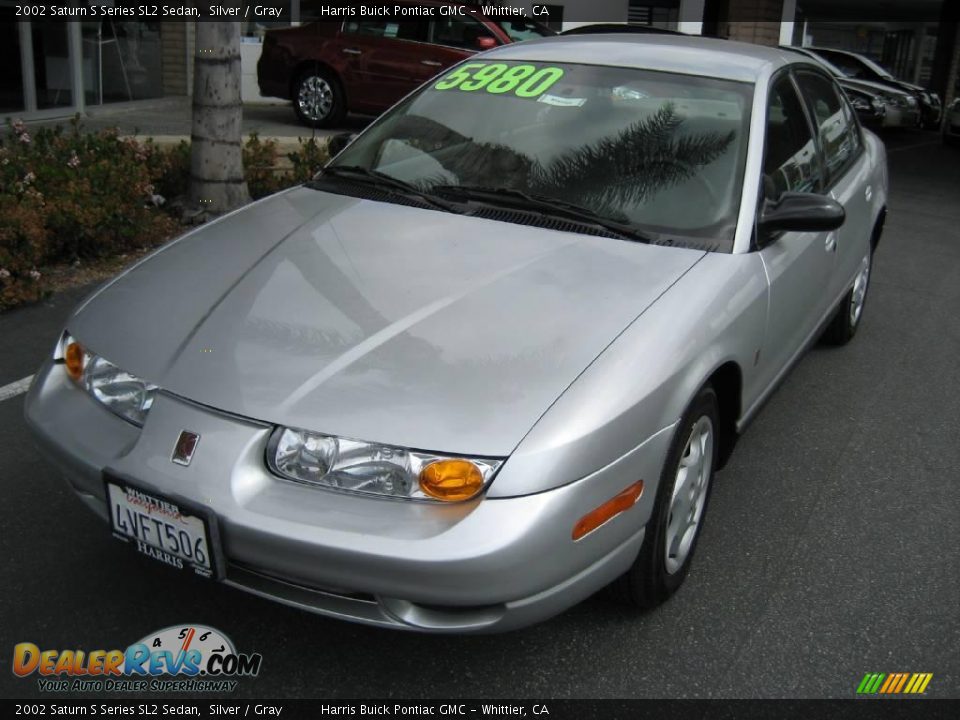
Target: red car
x: 365, y: 65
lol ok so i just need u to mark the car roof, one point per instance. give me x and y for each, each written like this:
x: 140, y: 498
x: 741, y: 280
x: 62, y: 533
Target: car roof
x: 818, y: 48
x: 606, y: 28
x: 688, y: 55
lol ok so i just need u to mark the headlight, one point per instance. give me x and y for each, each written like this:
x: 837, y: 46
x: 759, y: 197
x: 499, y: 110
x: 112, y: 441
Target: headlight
x: 117, y: 390
x: 363, y: 467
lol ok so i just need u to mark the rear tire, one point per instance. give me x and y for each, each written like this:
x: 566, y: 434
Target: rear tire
x: 844, y: 325
x: 679, y: 510
x: 318, y: 99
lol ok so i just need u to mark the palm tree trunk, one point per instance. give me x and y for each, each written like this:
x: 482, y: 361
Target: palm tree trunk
x: 216, y: 158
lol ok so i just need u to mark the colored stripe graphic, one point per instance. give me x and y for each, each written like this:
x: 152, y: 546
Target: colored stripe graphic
x: 891, y: 681
x: 894, y: 683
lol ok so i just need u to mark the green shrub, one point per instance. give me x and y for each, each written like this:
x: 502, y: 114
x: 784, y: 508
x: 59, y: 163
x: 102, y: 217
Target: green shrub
x: 170, y: 169
x: 71, y: 195
x: 67, y: 195
x: 264, y: 177
x: 260, y: 167
x: 308, y: 161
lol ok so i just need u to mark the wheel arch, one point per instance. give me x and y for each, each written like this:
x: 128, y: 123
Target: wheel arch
x: 878, y: 228
x: 727, y: 383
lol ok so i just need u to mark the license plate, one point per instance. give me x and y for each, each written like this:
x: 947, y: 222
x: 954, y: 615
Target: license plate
x: 166, y: 530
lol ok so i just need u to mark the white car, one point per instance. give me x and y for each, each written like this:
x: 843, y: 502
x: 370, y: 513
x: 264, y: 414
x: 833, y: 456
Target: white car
x: 487, y: 361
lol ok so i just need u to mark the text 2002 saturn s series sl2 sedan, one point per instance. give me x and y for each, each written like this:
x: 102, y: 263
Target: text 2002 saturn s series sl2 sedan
x: 489, y: 360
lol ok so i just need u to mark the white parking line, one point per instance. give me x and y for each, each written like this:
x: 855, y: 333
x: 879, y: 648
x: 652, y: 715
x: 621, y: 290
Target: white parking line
x: 15, y: 388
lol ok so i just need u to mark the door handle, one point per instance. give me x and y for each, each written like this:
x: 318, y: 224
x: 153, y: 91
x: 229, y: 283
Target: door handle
x: 831, y: 243
x: 431, y: 63
x: 351, y: 51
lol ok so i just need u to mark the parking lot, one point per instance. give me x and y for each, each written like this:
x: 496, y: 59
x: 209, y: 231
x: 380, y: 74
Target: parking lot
x: 832, y: 546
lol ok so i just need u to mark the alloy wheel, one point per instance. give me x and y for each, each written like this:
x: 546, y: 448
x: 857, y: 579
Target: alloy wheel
x: 689, y: 494
x: 859, y: 294
x: 315, y: 97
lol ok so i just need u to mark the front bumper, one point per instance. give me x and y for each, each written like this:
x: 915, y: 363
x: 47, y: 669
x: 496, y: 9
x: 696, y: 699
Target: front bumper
x: 481, y: 566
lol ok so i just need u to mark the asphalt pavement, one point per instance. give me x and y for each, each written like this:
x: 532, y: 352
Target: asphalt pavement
x: 831, y: 549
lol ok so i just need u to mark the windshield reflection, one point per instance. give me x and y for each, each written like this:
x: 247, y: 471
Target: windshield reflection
x: 664, y: 152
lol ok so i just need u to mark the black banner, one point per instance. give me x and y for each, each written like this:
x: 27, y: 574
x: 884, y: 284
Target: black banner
x: 545, y: 709
x: 412, y: 10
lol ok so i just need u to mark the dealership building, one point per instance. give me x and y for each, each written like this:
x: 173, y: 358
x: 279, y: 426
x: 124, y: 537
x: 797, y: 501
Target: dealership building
x: 55, y: 68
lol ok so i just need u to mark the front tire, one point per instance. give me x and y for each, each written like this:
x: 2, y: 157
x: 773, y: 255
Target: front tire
x: 318, y: 99
x: 844, y: 325
x: 679, y: 510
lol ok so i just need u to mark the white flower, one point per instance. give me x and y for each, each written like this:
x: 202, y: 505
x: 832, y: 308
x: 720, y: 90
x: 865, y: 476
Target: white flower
x: 74, y: 161
x: 25, y: 137
x: 18, y: 126
x: 34, y: 275
x: 29, y: 178
x: 4, y: 273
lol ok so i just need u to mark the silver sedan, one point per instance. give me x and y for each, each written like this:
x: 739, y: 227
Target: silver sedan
x: 490, y: 359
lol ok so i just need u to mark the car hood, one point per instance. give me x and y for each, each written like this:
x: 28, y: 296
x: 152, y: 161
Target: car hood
x: 376, y: 321
x: 908, y: 86
x: 873, y: 88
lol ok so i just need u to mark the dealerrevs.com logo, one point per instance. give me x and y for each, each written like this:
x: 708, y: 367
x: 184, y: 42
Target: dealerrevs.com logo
x: 180, y: 658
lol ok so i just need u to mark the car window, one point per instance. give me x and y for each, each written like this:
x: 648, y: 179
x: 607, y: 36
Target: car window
x: 460, y: 32
x: 790, y: 163
x: 387, y: 30
x: 662, y: 152
x: 846, y: 64
x: 839, y: 135
x: 523, y: 29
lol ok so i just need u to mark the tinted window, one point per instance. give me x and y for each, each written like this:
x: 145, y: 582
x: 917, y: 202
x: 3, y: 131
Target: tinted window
x: 847, y: 65
x: 383, y: 29
x: 458, y: 32
x: 791, y: 163
x: 839, y: 135
x: 523, y: 29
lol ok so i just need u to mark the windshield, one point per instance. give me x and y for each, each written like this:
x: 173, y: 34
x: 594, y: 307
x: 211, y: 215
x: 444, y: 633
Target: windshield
x: 662, y: 152
x: 833, y: 69
x: 878, y: 69
x: 854, y: 66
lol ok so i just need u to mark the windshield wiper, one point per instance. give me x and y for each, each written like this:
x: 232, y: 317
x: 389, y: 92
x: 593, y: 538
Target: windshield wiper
x: 545, y: 205
x: 382, y: 181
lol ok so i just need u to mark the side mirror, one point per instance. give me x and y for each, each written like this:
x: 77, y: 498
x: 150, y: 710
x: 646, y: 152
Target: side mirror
x: 338, y: 142
x: 801, y: 212
x: 485, y: 42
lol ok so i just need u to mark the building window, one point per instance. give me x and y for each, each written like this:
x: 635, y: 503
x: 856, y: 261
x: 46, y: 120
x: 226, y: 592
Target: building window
x: 659, y: 13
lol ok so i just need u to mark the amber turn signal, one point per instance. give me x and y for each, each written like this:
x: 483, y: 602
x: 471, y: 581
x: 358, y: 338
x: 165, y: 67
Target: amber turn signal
x: 451, y: 480
x: 73, y: 359
x: 614, y: 506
